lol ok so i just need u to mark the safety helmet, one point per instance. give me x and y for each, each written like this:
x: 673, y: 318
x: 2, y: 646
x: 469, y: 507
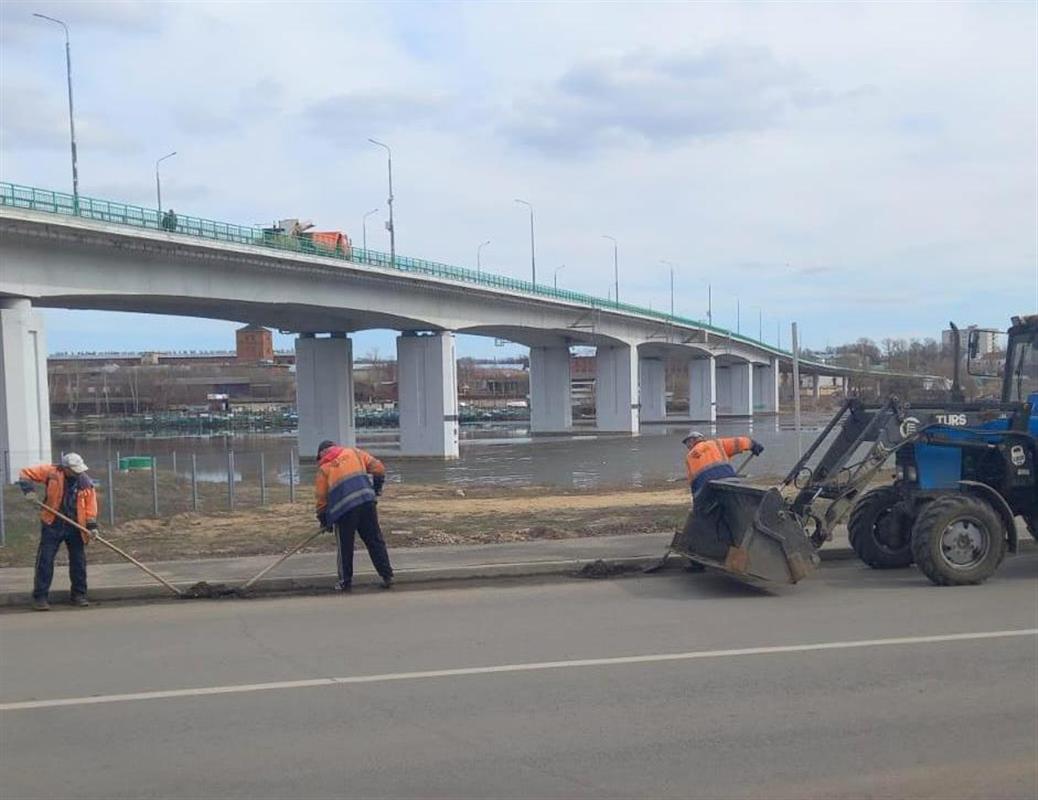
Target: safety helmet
x: 693, y: 435
x: 74, y: 463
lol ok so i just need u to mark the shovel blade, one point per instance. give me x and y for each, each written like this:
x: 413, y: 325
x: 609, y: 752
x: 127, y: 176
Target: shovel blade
x: 749, y: 533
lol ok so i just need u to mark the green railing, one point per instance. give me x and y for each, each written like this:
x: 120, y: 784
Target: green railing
x: 149, y: 218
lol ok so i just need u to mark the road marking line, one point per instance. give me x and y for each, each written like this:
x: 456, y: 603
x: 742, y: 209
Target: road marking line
x: 694, y: 655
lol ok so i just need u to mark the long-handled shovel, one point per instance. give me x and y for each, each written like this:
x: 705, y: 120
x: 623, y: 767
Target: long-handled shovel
x: 88, y: 536
x: 281, y: 559
x: 663, y: 561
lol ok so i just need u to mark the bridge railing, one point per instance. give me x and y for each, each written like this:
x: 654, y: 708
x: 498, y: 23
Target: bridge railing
x: 49, y: 201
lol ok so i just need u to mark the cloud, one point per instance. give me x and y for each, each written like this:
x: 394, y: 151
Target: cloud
x: 662, y: 99
x: 345, y: 118
x: 34, y: 119
x: 17, y: 24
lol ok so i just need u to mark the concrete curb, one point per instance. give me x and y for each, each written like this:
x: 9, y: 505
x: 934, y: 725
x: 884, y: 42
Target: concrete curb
x: 319, y: 583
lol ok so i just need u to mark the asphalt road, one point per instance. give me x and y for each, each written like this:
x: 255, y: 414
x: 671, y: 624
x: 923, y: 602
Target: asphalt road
x: 670, y: 686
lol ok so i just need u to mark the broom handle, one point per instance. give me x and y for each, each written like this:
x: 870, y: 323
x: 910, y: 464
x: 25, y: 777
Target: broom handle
x: 111, y: 546
x: 296, y: 548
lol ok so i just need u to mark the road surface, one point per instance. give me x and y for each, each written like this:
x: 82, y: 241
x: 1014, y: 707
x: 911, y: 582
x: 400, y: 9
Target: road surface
x: 854, y: 684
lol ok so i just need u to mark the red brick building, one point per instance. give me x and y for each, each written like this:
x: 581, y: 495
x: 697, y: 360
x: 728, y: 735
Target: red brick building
x: 254, y: 344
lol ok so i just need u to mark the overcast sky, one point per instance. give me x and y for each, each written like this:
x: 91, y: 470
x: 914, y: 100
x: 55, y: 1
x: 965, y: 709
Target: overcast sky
x: 865, y: 169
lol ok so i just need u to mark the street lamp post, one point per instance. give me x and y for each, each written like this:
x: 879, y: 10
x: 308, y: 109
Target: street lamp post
x: 533, y: 252
x: 389, y: 202
x: 738, y: 316
x: 671, y: 265
x: 479, y: 253
x: 709, y: 305
x: 364, y: 229
x: 158, y: 181
x: 616, y: 267
x: 71, y: 117
x: 556, y: 282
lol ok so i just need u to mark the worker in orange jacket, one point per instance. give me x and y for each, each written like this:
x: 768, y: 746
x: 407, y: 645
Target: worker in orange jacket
x: 348, y: 482
x: 708, y: 459
x: 68, y: 489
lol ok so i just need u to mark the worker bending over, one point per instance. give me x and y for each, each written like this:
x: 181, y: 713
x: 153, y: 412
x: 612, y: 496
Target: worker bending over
x: 708, y: 460
x: 346, y: 500
x: 68, y: 489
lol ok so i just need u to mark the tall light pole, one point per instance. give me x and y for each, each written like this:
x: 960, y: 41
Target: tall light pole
x: 671, y: 265
x: 760, y: 324
x: 709, y: 305
x: 533, y: 252
x: 563, y: 266
x: 738, y: 316
x: 479, y: 253
x: 616, y: 266
x: 71, y: 117
x: 364, y: 229
x: 158, y: 181
x: 389, y: 202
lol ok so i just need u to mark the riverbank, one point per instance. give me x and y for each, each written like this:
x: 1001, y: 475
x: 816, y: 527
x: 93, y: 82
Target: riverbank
x: 411, y: 516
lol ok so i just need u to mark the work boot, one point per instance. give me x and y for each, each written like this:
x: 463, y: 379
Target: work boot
x: 79, y: 600
x: 345, y: 588
x: 387, y: 583
x: 40, y: 605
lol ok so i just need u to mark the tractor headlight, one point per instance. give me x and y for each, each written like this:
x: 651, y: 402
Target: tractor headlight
x: 912, y: 474
x: 899, y: 473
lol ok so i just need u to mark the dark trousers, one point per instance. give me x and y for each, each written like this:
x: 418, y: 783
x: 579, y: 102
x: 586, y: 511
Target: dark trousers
x: 363, y: 520
x: 51, y: 538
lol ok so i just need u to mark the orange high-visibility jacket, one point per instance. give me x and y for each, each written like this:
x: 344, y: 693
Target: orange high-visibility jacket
x: 342, y: 480
x: 708, y: 460
x: 53, y: 479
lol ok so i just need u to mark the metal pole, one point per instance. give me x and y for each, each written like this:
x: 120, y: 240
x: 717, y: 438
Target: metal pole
x: 111, y: 496
x: 71, y: 115
x: 158, y: 183
x: 556, y: 279
x: 174, y: 464
x: 392, y: 228
x: 3, y: 522
x: 616, y: 267
x: 263, y: 479
x: 672, y: 292
x: 796, y: 390
x: 760, y: 325
x: 709, y: 305
x: 155, y: 485
x: 364, y: 228
x: 738, y: 316
x: 230, y: 480
x: 194, y: 482
x: 479, y: 252
x: 533, y: 251
x: 291, y: 475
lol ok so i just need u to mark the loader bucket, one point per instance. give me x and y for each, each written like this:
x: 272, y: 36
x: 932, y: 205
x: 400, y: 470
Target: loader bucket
x: 749, y: 533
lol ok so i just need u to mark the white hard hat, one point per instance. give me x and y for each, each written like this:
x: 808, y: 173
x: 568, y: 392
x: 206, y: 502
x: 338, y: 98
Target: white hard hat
x: 693, y: 435
x: 74, y: 462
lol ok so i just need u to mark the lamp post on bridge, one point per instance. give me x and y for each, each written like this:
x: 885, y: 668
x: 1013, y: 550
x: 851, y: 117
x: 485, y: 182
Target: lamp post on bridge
x: 671, y: 265
x: 556, y: 281
x: 364, y: 229
x: 616, y: 267
x: 389, y: 202
x: 158, y: 182
x: 533, y: 251
x: 479, y: 254
x: 71, y: 116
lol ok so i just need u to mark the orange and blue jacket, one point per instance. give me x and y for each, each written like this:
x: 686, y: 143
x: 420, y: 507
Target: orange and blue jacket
x: 53, y: 479
x: 708, y: 460
x: 342, y: 480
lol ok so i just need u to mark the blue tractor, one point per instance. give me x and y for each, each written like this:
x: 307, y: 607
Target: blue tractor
x: 964, y: 473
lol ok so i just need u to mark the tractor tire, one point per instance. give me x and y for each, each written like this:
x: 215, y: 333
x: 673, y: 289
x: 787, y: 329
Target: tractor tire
x: 872, y: 533
x: 958, y: 540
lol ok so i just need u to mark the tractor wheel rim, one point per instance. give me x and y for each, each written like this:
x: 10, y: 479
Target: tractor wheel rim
x: 964, y: 544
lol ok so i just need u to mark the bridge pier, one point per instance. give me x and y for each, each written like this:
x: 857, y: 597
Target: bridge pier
x: 652, y: 389
x: 616, y: 388
x: 735, y: 389
x: 551, y: 406
x: 702, y: 389
x: 25, y: 406
x: 766, y: 387
x: 427, y: 385
x: 324, y: 391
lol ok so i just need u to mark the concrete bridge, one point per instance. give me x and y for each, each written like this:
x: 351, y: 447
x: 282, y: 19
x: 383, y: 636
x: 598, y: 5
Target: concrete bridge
x: 114, y: 257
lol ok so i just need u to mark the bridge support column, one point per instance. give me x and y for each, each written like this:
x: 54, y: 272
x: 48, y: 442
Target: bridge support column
x: 24, y: 398
x: 816, y: 382
x: 616, y: 389
x: 427, y: 385
x: 766, y: 387
x: 652, y: 389
x: 324, y: 391
x: 735, y: 389
x: 551, y: 406
x: 702, y: 389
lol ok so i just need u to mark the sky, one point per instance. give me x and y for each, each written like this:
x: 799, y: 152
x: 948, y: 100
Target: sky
x: 865, y: 169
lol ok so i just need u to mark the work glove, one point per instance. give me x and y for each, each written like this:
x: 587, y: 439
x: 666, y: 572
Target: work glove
x: 756, y: 447
x: 377, y: 483
x: 28, y: 490
x: 92, y: 527
x: 322, y: 518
